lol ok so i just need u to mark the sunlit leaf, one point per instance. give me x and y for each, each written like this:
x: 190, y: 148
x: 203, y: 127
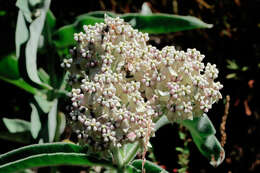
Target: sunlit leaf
x: 21, y: 33
x: 161, y: 122
x: 52, y: 121
x: 16, y: 125
x: 23, y: 5
x: 35, y: 29
x: 61, y: 122
x: 151, y: 23
x: 35, y: 122
x: 164, y: 23
x: 44, y: 104
x: 44, y: 76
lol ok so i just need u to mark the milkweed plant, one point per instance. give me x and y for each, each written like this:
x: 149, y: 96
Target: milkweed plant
x: 120, y: 84
x: 121, y: 90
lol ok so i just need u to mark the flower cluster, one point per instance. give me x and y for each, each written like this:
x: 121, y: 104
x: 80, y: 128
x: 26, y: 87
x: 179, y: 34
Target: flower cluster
x: 120, y: 84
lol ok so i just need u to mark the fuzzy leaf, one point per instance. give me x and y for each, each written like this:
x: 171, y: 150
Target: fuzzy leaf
x: 17, y: 125
x: 35, y: 30
x: 164, y: 23
x: 21, y: 33
x: 35, y: 122
x: 44, y: 104
x: 161, y: 122
x: 52, y: 121
x: 151, y: 23
x: 23, y: 5
x: 41, y: 155
x: 203, y: 134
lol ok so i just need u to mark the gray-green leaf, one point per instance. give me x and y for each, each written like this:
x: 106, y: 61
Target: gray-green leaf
x: 16, y: 125
x: 35, y: 29
x: 35, y: 122
x: 21, y: 33
x: 44, y: 104
x: 203, y: 134
x: 41, y: 155
x: 52, y: 121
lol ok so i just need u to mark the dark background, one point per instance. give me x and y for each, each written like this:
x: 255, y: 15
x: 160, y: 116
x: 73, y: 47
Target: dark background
x: 235, y: 36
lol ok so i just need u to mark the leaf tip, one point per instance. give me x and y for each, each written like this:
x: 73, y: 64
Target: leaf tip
x: 215, y: 163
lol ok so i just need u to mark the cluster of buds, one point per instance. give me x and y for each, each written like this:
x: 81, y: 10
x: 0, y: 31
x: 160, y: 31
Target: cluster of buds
x: 120, y: 84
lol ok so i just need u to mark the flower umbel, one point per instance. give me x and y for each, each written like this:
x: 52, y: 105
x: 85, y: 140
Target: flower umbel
x: 120, y: 84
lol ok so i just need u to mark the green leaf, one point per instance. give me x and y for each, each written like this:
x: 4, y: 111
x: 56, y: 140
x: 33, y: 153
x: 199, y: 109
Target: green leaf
x: 64, y: 36
x: 232, y: 65
x: 21, y: 33
x: 203, y: 134
x: 161, y: 122
x: 36, y: 149
x: 41, y: 155
x: 130, y: 151
x: 118, y: 156
x: 49, y: 28
x: 52, y: 121
x: 9, y: 67
x: 150, y: 23
x: 35, y: 29
x: 43, y: 75
x: 61, y: 122
x: 16, y: 125
x: 9, y: 72
x: 23, y: 5
x: 44, y: 104
x: 34, y: 2
x: 35, y: 122
x: 21, y: 84
x: 131, y: 169
x: 158, y: 23
x: 100, y: 14
x: 2, y: 13
x: 231, y: 76
x: 148, y: 166
x: 164, y: 23
x: 179, y: 149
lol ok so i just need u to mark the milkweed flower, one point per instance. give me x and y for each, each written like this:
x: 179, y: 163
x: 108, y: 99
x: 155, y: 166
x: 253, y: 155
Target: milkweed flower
x: 120, y: 84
